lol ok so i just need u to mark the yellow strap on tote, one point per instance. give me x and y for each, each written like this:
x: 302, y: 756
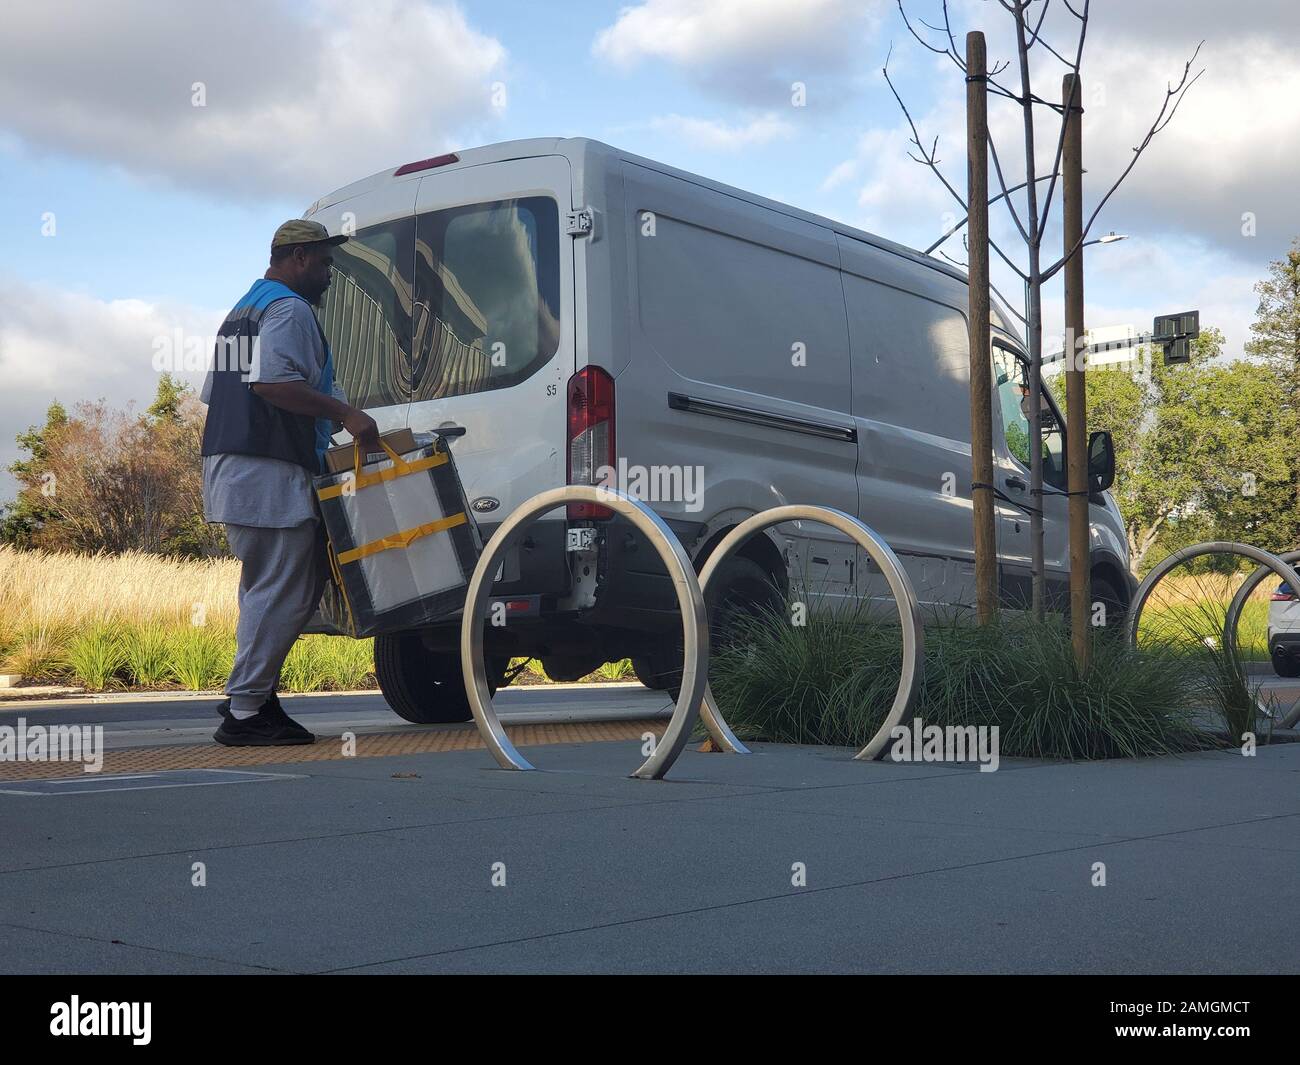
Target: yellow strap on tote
x: 401, y: 539
x: 399, y: 468
x: 338, y: 583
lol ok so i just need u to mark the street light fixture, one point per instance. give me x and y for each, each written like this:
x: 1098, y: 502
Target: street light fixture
x: 1109, y: 238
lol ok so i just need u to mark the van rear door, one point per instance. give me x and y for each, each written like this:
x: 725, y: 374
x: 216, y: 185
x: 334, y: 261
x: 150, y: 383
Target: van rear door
x: 492, y: 326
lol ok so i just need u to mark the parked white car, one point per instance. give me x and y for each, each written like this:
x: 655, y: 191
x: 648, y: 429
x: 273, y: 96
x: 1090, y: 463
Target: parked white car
x: 570, y: 313
x: 1284, y: 631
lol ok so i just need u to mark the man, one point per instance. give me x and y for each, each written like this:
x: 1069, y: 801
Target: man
x: 272, y: 406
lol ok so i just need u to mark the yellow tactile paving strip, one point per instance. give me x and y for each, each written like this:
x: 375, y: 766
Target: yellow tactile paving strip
x: 328, y: 749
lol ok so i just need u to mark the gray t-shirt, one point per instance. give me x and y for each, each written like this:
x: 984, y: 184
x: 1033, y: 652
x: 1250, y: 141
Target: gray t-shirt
x: 252, y: 489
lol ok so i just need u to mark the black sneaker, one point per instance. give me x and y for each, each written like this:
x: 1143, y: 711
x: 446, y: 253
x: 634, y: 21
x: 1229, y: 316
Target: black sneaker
x: 269, y: 727
x: 272, y: 703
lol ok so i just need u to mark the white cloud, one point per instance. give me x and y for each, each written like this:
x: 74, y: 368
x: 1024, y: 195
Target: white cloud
x: 298, y: 99
x: 68, y: 346
x: 719, y: 136
x: 841, y: 174
x: 1129, y: 283
x: 744, y: 49
x: 1233, y: 147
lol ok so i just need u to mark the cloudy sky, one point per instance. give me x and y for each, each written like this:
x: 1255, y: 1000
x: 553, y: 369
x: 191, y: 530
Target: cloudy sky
x: 129, y: 212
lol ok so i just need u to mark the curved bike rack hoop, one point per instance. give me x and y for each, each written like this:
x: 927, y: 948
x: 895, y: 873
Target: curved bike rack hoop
x: 695, y: 670
x: 1267, y: 563
x: 904, y: 596
x: 1230, y: 623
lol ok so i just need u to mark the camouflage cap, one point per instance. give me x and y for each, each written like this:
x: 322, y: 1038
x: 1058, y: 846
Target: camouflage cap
x: 301, y: 231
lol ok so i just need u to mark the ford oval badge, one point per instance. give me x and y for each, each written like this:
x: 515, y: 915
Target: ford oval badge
x: 485, y: 504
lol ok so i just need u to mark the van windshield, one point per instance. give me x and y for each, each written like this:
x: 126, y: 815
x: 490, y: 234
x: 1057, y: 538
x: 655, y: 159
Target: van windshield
x: 447, y: 303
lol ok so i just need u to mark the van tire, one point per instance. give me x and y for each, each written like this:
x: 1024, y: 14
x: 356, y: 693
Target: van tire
x: 1102, y: 591
x: 1284, y: 663
x: 423, y: 686
x: 650, y: 672
x: 740, y: 587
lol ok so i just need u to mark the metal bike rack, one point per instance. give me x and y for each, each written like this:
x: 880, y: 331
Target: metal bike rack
x: 1267, y: 562
x: 1185, y: 554
x: 904, y: 596
x: 1289, y: 719
x: 695, y: 670
x: 696, y: 695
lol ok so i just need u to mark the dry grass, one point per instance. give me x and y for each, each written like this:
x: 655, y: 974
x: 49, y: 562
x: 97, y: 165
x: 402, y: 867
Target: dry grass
x: 1190, y: 609
x: 1218, y: 587
x: 114, y: 621
x: 44, y: 590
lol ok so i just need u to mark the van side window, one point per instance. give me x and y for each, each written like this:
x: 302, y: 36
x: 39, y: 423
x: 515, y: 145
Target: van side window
x: 366, y: 314
x: 487, y: 296
x: 1011, y: 378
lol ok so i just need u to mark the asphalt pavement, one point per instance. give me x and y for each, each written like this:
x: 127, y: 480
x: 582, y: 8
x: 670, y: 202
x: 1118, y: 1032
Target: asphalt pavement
x: 791, y: 859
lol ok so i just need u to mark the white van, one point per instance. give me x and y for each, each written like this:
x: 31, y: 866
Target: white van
x: 561, y: 308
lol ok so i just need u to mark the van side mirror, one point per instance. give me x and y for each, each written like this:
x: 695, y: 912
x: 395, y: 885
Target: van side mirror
x: 1101, y: 461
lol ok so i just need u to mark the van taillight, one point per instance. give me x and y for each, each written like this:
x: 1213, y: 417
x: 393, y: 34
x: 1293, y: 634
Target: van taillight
x: 591, y: 433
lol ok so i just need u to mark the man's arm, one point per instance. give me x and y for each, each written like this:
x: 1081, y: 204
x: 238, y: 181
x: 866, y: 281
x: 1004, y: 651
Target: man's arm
x: 298, y: 397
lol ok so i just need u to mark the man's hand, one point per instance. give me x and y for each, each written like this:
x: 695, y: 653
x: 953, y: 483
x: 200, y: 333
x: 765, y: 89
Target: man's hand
x: 363, y: 429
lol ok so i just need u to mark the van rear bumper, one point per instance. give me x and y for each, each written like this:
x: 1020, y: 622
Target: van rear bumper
x: 537, y: 565
x: 635, y: 590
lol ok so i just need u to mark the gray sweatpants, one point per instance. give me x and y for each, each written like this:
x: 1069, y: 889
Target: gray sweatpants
x: 280, y: 584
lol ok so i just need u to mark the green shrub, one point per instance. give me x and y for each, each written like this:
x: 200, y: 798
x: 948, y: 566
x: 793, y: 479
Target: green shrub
x: 616, y: 670
x: 201, y: 656
x: 832, y: 681
x: 305, y: 669
x: 1224, y: 687
x: 534, y: 666
x: 147, y: 651
x: 96, y: 655
x: 1129, y: 703
x: 348, y: 664
x: 39, y: 652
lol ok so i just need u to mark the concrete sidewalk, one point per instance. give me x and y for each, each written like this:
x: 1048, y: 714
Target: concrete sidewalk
x: 387, y: 865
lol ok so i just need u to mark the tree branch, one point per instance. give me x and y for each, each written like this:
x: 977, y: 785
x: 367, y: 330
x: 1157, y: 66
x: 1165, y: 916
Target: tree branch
x: 938, y: 51
x: 1060, y: 140
x: 1176, y: 93
x: 928, y: 159
x: 951, y: 52
x: 1033, y: 237
x: 1006, y: 195
x: 1034, y: 37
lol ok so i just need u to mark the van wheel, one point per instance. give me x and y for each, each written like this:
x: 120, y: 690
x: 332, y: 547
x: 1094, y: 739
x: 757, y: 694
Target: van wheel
x: 652, y: 671
x: 740, y: 589
x: 1284, y: 664
x: 1105, y: 593
x: 422, y: 686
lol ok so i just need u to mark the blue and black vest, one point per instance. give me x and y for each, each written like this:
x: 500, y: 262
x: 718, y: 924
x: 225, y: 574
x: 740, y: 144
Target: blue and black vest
x: 241, y: 422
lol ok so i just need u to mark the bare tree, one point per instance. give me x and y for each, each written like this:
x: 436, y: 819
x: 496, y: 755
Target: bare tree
x: 1030, y: 215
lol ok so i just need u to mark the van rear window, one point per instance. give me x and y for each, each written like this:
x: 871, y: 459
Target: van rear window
x: 366, y: 314
x: 487, y: 296
x: 447, y: 303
